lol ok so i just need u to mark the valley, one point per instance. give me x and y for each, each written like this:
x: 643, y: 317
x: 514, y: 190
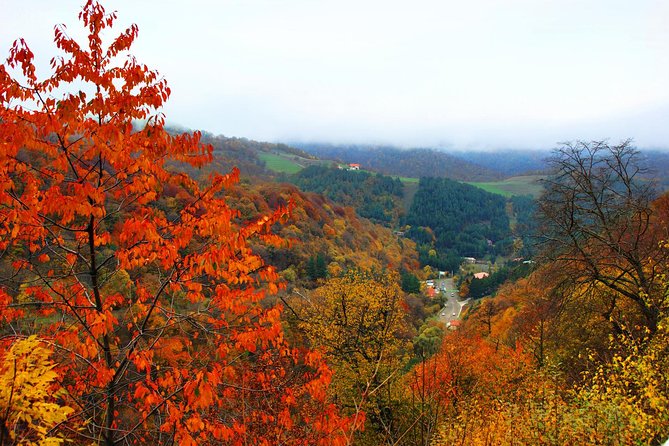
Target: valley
x: 164, y: 286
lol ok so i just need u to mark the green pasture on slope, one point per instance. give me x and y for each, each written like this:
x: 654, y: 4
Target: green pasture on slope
x: 279, y: 163
x: 521, y: 185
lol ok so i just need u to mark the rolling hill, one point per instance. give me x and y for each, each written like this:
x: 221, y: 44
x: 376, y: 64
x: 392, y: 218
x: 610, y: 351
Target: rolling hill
x: 414, y: 163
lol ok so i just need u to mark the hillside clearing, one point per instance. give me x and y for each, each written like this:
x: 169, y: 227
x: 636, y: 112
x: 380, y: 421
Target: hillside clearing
x: 520, y: 185
x: 279, y: 163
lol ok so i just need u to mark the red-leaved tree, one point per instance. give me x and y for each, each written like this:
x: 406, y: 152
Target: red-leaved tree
x: 139, y: 279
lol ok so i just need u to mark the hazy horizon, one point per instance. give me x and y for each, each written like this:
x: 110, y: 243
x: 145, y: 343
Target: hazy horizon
x: 480, y: 75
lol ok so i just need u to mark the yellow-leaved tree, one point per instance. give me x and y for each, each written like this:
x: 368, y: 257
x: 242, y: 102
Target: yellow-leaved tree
x: 359, y: 322
x: 626, y: 401
x: 29, y: 395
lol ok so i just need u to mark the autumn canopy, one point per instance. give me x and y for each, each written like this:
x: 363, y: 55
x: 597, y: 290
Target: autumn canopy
x: 144, y: 325
x: 148, y: 298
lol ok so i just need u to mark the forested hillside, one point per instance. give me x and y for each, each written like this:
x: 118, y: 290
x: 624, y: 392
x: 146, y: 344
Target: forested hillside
x: 455, y: 220
x: 657, y: 164
x: 373, y: 196
x: 246, y: 155
x: 319, y: 229
x: 414, y: 163
x: 508, y: 162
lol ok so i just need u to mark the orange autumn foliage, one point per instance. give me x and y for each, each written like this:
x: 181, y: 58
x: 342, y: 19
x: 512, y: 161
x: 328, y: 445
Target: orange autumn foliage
x: 456, y: 392
x: 155, y: 318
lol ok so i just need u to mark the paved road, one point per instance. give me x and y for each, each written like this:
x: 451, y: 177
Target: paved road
x: 453, y: 307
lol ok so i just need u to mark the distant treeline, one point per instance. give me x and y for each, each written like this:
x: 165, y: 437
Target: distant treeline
x: 657, y: 164
x: 242, y: 153
x: 413, y: 163
x: 508, y: 162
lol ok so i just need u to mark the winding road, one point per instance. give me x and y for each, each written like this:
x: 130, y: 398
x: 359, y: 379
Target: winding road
x: 453, y: 307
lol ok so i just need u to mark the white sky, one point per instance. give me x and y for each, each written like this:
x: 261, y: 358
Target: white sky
x: 475, y: 73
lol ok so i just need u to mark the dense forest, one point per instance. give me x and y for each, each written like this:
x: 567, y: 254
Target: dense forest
x: 152, y: 293
x: 457, y: 220
x: 320, y: 231
x: 524, y: 225
x: 373, y: 196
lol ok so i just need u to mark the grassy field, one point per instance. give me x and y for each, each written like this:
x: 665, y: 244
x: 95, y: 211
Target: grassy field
x: 408, y: 180
x: 410, y: 188
x: 522, y: 185
x: 279, y: 163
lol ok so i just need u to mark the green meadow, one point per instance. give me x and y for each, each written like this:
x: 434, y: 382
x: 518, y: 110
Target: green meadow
x: 279, y: 163
x: 521, y: 185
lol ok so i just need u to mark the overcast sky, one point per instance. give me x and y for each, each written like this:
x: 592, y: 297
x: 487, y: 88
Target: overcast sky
x: 451, y: 73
